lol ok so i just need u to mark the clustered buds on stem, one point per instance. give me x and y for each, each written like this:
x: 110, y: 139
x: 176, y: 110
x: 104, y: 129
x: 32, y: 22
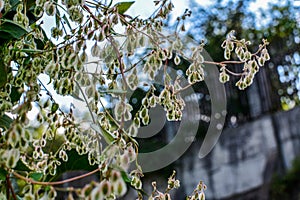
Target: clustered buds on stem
x: 172, y: 184
x: 251, y: 61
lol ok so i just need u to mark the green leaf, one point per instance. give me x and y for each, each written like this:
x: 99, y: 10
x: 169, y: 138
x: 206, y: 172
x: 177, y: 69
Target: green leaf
x: 67, y: 21
x: 123, y: 6
x: 125, y: 177
x: 54, y: 107
x: 5, y: 121
x: 21, y: 166
x: 19, y: 198
x: 57, y: 18
x: 3, y: 174
x: 15, y: 95
x: 3, y: 72
x: 109, y: 138
x: 29, y: 50
x: 30, y: 4
x: 36, y: 176
x: 14, y: 4
x: 11, y: 30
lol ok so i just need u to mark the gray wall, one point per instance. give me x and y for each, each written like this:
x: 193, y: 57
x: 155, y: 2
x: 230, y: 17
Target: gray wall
x: 245, y: 158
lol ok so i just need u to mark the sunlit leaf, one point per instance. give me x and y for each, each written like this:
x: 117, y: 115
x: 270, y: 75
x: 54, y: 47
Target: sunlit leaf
x: 54, y: 107
x: 124, y: 6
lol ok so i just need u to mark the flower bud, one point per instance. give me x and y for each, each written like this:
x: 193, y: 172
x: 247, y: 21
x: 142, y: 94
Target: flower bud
x: 177, y: 60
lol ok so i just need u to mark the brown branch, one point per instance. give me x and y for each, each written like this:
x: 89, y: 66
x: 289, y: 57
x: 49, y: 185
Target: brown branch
x: 92, y: 15
x: 55, y: 182
x: 9, y: 188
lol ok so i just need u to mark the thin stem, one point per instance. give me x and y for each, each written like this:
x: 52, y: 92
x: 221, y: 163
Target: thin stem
x: 92, y: 15
x: 55, y: 182
x: 235, y: 74
x: 119, y: 60
x: 86, y: 101
x: 50, y: 95
x: 184, y: 88
x: 147, y: 35
x: 109, y: 115
x: 223, y: 62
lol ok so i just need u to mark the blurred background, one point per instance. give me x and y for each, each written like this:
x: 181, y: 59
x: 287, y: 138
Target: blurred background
x: 257, y: 156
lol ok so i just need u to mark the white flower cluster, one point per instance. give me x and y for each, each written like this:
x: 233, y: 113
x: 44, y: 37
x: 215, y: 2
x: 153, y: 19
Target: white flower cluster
x: 251, y: 61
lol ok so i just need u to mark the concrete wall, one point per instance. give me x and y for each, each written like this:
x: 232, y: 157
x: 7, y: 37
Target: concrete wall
x: 245, y: 158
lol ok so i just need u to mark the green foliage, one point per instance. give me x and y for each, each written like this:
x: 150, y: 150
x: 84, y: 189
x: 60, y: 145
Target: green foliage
x: 3, y: 72
x: 3, y: 174
x: 5, y: 121
x: 11, y: 30
x: 287, y: 186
